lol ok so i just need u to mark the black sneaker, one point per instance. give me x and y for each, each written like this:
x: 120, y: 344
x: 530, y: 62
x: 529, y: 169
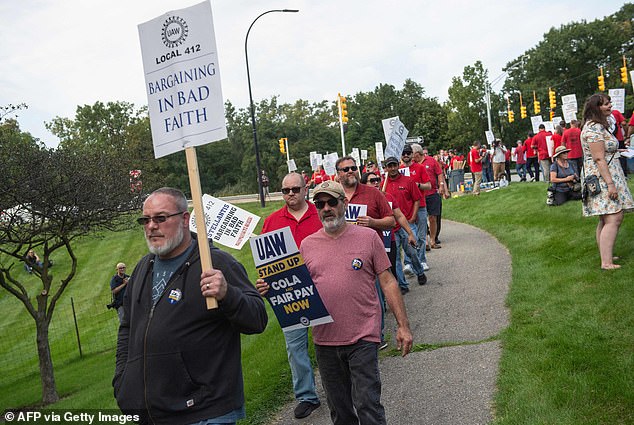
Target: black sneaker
x: 383, y: 345
x: 422, y: 279
x: 305, y: 408
x: 404, y: 290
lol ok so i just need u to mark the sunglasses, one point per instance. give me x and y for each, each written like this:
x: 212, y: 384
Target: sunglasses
x: 332, y: 202
x: 375, y: 180
x: 287, y: 190
x: 346, y: 169
x: 157, y: 218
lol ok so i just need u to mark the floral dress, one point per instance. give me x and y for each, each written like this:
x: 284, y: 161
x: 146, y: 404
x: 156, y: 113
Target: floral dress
x: 601, y: 204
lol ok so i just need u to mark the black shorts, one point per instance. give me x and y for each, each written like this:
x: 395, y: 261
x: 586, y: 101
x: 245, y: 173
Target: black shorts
x: 433, y: 204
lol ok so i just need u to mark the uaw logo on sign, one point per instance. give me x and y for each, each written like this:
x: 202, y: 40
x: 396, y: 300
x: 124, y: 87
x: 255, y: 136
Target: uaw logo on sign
x: 354, y: 211
x: 174, y: 31
x: 292, y: 293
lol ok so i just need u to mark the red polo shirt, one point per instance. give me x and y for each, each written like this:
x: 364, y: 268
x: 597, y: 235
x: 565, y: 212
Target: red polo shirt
x: 476, y: 167
x: 572, y: 140
x: 406, y: 193
x: 433, y: 171
x: 530, y: 149
x: 378, y: 206
x: 542, y: 146
x: 308, y: 224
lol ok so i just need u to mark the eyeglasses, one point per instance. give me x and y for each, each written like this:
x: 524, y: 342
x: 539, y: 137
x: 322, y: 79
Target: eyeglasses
x: 406, y: 153
x: 331, y: 202
x: 157, y: 218
x: 287, y: 190
x: 375, y: 180
x: 346, y: 169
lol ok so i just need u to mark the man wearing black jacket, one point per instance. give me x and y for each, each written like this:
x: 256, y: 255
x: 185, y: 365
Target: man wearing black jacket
x: 177, y: 362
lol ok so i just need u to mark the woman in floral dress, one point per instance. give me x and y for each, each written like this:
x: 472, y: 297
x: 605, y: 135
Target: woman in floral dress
x: 601, y: 158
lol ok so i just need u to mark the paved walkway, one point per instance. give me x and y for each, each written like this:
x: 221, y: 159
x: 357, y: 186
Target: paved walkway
x: 461, y: 307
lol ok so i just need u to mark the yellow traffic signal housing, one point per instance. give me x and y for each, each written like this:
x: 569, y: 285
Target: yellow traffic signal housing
x: 523, y: 112
x: 344, y: 109
x: 283, y: 145
x: 624, y: 75
x: 552, y: 98
x: 536, y: 107
x: 552, y: 115
x: 511, y: 116
x: 601, y: 81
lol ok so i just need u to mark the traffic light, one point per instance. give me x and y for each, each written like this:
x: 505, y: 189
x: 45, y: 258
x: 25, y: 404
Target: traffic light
x: 283, y: 145
x: 343, y: 109
x: 601, y: 81
x: 552, y: 115
x: 552, y: 99
x: 624, y: 75
x: 523, y: 111
x: 511, y: 116
x: 536, y: 107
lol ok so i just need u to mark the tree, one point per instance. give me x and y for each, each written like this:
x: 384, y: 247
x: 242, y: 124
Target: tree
x: 466, y: 107
x: 49, y: 198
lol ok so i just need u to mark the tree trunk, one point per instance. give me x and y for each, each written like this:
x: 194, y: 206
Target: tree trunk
x: 49, y: 390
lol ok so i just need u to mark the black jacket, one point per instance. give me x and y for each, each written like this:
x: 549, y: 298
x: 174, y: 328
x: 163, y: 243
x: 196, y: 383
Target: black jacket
x: 177, y: 362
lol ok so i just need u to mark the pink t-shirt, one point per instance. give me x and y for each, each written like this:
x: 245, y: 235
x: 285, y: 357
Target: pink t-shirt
x: 344, y: 271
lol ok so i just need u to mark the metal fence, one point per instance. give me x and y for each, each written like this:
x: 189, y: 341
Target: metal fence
x: 75, y: 330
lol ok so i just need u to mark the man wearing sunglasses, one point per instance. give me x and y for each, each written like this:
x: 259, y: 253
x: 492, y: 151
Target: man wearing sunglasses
x: 301, y: 216
x: 177, y: 361
x: 379, y: 215
x: 408, y: 197
x: 344, y: 260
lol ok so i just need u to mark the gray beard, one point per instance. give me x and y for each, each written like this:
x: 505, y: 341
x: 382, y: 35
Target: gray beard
x: 331, y: 226
x: 169, y: 246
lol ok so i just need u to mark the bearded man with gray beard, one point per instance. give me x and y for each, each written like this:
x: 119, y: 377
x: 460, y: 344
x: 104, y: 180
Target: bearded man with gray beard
x: 177, y: 361
x: 344, y: 261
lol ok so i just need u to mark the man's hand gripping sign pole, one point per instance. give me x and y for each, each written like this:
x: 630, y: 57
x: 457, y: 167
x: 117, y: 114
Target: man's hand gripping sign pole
x: 182, y: 79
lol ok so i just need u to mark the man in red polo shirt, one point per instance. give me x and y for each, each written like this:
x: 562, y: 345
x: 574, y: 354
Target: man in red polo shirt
x: 572, y: 140
x: 301, y: 216
x: 531, y: 157
x: 432, y: 196
x: 408, y: 197
x: 540, y: 140
x: 420, y: 177
x: 475, y: 164
x: 379, y: 215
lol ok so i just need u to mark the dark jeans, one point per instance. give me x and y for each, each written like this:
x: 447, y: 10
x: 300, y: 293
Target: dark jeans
x: 533, y: 163
x: 562, y: 197
x: 350, y: 376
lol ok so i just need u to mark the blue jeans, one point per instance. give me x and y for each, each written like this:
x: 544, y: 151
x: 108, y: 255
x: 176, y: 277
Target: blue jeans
x: 420, y: 230
x: 521, y: 170
x: 401, y: 242
x: 350, y: 376
x: 301, y: 369
x: 230, y: 418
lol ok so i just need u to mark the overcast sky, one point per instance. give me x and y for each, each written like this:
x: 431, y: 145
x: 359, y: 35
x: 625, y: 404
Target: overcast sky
x: 56, y: 55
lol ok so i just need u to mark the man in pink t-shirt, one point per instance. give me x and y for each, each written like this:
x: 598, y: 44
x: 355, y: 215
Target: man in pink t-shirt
x: 344, y: 261
x: 301, y: 217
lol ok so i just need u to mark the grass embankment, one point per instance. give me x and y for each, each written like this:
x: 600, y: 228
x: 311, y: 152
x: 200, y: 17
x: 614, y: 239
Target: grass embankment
x: 568, y: 354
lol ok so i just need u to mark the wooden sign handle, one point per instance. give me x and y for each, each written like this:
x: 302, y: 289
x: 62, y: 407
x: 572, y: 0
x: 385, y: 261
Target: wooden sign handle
x: 197, y: 199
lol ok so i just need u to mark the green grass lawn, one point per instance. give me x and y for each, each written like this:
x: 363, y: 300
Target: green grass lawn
x: 568, y: 354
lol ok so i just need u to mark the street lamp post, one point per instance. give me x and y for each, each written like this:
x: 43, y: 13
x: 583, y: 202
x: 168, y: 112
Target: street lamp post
x: 255, y: 134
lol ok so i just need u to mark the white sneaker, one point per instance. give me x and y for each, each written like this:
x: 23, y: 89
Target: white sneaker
x: 425, y: 267
x: 407, y: 269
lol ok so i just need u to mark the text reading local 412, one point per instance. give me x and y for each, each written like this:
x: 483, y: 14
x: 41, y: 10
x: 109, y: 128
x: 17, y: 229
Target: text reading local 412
x: 292, y: 293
